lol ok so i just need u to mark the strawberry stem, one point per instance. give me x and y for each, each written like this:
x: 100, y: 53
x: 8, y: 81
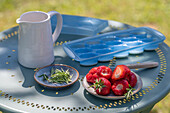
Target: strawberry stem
x: 99, y: 84
x: 129, y: 92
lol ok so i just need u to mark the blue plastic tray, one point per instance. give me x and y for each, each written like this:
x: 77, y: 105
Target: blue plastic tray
x: 79, y: 25
x: 88, y: 51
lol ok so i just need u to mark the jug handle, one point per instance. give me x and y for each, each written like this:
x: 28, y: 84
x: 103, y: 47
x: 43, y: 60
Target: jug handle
x: 58, y: 26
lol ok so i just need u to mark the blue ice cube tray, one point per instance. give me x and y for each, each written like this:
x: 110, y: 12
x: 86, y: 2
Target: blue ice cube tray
x: 88, y: 51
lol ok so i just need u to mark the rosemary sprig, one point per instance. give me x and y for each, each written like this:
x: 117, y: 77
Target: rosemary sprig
x: 45, y: 77
x: 58, y: 76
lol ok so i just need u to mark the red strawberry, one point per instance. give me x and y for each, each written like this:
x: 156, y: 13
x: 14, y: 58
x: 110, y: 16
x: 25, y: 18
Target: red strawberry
x: 105, y: 72
x: 127, y: 77
x: 119, y: 87
x: 102, y: 86
x: 121, y: 71
x: 92, y: 75
x: 132, y: 79
x: 94, y: 70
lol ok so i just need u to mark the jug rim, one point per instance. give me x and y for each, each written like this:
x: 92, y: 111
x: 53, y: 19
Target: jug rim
x: 19, y: 19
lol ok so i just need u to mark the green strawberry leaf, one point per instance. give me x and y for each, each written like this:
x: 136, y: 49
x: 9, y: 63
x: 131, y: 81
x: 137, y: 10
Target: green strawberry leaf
x: 129, y: 93
x: 99, y: 84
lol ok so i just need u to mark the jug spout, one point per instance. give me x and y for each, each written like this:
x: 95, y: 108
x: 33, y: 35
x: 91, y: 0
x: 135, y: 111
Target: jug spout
x: 21, y: 20
x: 18, y: 21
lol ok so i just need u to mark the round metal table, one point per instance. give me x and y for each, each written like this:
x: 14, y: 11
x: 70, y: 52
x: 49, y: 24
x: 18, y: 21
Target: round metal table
x: 20, y: 93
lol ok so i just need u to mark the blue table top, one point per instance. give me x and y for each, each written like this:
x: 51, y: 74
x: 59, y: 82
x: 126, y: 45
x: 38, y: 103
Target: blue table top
x: 20, y: 93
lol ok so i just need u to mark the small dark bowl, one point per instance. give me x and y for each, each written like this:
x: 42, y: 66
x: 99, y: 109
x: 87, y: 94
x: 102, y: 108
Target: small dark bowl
x: 47, y: 69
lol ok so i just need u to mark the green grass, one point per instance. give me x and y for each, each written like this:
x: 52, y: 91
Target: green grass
x: 152, y: 13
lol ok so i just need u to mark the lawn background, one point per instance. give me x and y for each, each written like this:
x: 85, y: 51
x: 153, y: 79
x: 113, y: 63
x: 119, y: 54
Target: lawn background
x: 151, y: 13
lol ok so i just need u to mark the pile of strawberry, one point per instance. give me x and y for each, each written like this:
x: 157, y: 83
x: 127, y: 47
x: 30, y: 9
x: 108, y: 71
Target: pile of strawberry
x: 121, y: 81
